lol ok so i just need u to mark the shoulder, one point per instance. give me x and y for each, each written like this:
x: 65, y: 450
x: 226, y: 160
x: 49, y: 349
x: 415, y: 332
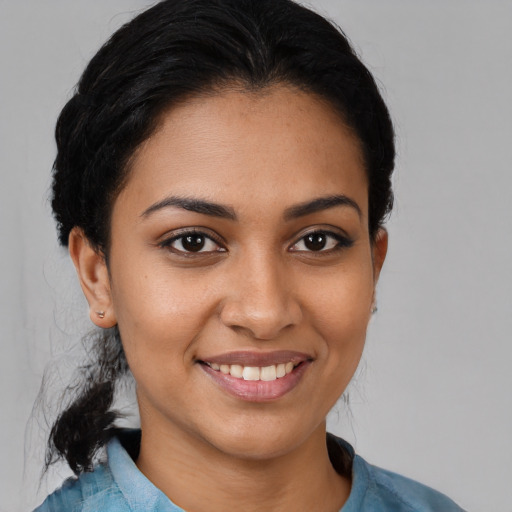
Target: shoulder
x: 376, y: 489
x: 115, y: 486
x: 401, y: 494
x: 90, y: 490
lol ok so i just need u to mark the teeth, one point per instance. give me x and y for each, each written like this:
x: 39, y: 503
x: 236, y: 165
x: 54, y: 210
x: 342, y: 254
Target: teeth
x: 251, y: 373
x: 266, y: 373
x: 236, y: 371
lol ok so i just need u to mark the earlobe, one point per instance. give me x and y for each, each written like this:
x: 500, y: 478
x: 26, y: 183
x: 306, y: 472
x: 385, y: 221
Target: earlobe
x: 94, y: 278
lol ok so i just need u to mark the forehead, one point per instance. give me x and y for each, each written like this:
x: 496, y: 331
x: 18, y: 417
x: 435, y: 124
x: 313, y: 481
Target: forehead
x: 274, y: 146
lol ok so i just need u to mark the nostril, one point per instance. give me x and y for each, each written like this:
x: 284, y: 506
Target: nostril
x: 260, y: 303
x: 260, y: 322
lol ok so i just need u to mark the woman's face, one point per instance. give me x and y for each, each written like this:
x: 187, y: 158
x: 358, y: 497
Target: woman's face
x: 241, y: 270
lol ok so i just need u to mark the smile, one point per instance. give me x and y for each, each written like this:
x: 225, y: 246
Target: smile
x: 254, y: 373
x: 257, y: 377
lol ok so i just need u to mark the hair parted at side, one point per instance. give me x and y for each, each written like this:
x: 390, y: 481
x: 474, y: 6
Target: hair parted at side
x: 172, y: 51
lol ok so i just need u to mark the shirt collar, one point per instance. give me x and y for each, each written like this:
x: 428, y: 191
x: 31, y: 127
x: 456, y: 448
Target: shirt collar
x: 138, y: 491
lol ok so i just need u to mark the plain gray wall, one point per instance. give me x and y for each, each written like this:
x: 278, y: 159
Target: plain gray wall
x: 432, y: 397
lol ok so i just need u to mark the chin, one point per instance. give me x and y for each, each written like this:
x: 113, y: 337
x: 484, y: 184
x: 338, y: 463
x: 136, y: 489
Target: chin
x: 259, y: 443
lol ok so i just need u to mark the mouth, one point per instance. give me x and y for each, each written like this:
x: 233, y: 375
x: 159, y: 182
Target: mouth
x: 255, y: 373
x: 257, y: 377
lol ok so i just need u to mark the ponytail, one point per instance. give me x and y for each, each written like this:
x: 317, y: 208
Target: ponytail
x: 86, y: 425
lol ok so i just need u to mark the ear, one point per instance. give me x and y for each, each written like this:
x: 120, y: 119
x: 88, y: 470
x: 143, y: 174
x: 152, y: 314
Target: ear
x: 94, y: 278
x: 379, y: 251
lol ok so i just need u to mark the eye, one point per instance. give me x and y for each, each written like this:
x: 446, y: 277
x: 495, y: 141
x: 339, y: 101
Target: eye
x: 192, y: 242
x: 321, y: 241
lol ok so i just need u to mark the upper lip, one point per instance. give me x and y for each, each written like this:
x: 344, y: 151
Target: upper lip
x: 252, y: 358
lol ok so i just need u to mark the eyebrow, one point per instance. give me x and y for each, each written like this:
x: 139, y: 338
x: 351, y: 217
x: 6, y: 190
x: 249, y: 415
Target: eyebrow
x: 322, y: 203
x: 193, y: 205
x: 227, y: 212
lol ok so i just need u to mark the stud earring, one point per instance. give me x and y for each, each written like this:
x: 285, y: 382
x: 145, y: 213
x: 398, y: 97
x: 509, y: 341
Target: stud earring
x: 374, y: 309
x: 101, y: 314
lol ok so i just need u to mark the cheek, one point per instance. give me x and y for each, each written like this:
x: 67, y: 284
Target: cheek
x: 158, y: 315
x: 341, y: 311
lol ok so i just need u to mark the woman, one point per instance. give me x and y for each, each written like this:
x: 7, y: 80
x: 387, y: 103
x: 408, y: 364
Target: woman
x: 222, y: 179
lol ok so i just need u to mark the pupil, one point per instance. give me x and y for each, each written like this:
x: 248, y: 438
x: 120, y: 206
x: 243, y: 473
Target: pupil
x: 315, y: 241
x: 193, y: 243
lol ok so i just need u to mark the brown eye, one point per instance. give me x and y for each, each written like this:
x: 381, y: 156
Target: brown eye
x: 321, y: 242
x: 315, y: 241
x: 193, y: 243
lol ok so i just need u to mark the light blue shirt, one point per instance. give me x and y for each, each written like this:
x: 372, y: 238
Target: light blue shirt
x: 118, y: 486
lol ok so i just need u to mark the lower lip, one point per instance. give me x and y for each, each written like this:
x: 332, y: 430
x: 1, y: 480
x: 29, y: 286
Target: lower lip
x: 257, y: 390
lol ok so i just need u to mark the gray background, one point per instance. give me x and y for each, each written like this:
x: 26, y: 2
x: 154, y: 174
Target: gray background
x: 432, y: 397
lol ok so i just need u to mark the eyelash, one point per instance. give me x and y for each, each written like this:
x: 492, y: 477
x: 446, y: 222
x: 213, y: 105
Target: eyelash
x: 167, y: 244
x: 341, y: 242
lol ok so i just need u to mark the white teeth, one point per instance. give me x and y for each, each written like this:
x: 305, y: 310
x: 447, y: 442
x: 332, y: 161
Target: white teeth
x: 268, y: 373
x: 265, y: 373
x: 236, y: 371
x: 251, y: 373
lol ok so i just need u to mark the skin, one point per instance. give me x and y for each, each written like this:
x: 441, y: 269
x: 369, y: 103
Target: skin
x: 256, y: 287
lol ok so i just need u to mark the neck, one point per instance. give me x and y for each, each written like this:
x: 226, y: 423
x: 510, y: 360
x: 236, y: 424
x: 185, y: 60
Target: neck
x: 198, y: 477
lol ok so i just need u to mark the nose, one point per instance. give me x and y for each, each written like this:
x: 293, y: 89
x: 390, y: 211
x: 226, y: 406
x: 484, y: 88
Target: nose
x: 260, y: 300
